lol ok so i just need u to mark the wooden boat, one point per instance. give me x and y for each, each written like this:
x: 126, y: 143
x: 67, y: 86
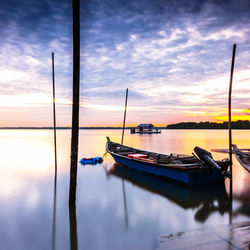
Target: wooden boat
x: 207, y: 199
x: 243, y: 156
x: 187, y: 169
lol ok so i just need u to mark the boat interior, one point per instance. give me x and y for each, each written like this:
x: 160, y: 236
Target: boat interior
x: 151, y: 156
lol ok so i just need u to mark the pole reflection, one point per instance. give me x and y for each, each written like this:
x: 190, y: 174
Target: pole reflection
x: 125, y: 203
x: 231, y: 188
x: 54, y: 215
x: 73, y: 228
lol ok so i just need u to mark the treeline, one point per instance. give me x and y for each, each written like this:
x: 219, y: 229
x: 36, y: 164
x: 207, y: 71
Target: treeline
x: 210, y: 125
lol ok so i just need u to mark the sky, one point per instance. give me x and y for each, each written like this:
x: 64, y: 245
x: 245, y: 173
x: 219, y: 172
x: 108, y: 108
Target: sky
x: 173, y: 56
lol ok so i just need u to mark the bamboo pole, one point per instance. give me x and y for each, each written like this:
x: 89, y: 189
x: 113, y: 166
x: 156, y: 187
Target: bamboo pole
x: 54, y: 111
x: 229, y: 103
x: 55, y: 178
x: 123, y: 184
x: 229, y: 123
x: 75, y: 108
x: 124, y: 118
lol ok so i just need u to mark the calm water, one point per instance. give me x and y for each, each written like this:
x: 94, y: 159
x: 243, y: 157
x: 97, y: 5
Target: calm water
x: 115, y: 209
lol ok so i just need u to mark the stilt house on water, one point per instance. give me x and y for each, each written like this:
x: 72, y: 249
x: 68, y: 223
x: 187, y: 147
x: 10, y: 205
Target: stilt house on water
x: 145, y: 129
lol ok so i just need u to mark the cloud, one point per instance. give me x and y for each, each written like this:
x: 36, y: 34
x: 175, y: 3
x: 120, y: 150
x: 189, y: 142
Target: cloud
x: 170, y: 54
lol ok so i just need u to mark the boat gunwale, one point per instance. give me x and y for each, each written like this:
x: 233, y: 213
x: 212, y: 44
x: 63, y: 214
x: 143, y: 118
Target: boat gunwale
x: 181, y: 167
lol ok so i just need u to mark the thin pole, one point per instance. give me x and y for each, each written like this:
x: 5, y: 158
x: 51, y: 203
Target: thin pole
x: 75, y: 108
x: 55, y: 178
x: 229, y: 103
x: 123, y: 185
x: 124, y: 119
x: 229, y: 122
x: 54, y: 111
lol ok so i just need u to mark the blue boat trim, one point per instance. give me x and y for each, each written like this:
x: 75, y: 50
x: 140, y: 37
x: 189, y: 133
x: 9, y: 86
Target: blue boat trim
x: 190, y: 174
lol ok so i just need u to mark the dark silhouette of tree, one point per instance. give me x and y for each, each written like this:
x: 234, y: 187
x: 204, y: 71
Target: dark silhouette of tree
x: 210, y: 125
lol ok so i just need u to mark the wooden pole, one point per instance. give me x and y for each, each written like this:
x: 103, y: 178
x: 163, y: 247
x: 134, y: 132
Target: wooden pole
x: 229, y: 122
x: 54, y: 111
x: 123, y: 185
x: 229, y: 103
x: 124, y: 119
x: 55, y: 178
x: 75, y: 108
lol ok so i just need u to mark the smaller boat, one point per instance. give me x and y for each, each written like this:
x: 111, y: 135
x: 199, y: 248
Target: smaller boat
x: 189, y: 169
x: 91, y: 161
x: 243, y: 156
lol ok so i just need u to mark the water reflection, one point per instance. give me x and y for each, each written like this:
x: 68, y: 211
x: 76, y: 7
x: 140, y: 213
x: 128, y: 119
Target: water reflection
x: 73, y: 228
x: 244, y: 199
x: 207, y: 199
x: 26, y: 192
x: 125, y: 203
x: 54, y: 214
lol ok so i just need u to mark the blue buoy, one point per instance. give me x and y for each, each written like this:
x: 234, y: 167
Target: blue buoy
x: 92, y: 161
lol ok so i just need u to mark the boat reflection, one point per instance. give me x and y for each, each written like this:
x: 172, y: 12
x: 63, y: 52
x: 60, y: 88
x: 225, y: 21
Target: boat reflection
x: 244, y: 198
x: 208, y: 199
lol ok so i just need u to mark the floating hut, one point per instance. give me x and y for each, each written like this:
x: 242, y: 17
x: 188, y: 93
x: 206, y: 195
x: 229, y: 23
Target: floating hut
x: 145, y: 129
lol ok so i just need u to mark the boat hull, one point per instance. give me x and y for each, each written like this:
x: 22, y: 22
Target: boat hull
x: 192, y: 177
x: 243, y: 164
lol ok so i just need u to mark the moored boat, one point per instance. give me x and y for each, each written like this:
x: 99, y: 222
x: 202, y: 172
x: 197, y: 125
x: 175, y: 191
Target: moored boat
x: 243, y: 156
x: 187, y: 169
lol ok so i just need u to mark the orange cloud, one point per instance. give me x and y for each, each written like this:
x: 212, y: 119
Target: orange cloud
x: 233, y: 118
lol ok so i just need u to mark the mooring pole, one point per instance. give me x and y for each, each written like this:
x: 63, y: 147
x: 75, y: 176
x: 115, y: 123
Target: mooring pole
x: 55, y: 177
x: 124, y: 118
x: 123, y: 184
x: 75, y: 108
x: 229, y: 123
x: 54, y: 111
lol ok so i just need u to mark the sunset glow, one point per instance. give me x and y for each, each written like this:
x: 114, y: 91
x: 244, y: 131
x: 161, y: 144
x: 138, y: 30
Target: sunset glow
x: 175, y: 62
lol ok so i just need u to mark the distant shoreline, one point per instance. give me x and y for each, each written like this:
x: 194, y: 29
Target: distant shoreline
x: 210, y: 125
x: 64, y: 128
x: 183, y: 125
x: 116, y: 128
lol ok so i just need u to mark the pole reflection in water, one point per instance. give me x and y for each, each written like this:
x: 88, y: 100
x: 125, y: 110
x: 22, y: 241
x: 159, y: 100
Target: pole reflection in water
x: 125, y: 203
x: 231, y: 189
x: 207, y: 199
x: 73, y: 228
x: 54, y: 216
